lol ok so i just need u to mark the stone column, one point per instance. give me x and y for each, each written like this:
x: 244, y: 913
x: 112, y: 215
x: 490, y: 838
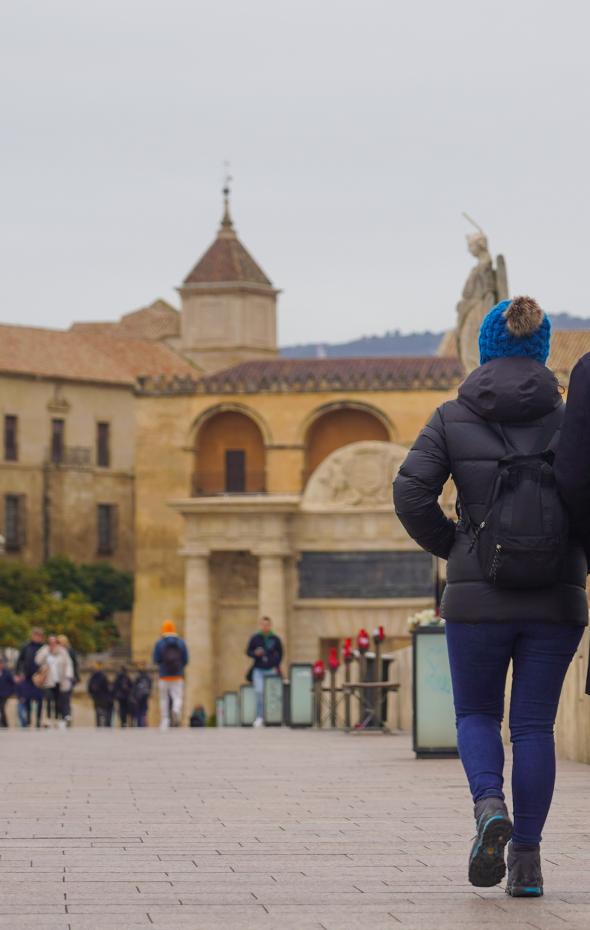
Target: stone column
x: 198, y: 631
x: 272, y: 599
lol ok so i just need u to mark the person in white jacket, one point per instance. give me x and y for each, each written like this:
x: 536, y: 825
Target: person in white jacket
x: 56, y: 677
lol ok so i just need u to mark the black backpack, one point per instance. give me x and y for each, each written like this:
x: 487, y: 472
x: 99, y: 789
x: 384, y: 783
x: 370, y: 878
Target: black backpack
x: 522, y: 540
x: 142, y: 687
x: 172, y: 659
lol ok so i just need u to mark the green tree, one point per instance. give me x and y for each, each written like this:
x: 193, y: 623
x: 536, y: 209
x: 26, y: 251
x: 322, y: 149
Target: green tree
x: 21, y: 587
x: 75, y: 617
x: 14, y: 628
x: 107, y: 587
x: 63, y: 575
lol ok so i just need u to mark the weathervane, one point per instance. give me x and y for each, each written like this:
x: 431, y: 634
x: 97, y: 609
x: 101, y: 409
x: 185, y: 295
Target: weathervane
x: 227, y: 179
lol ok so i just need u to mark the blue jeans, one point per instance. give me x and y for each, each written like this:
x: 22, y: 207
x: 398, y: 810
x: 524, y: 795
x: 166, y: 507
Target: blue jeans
x: 258, y: 676
x: 479, y: 655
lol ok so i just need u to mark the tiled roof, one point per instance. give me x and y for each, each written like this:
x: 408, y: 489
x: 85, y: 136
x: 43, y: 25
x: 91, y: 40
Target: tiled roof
x: 226, y: 261
x: 334, y: 374
x: 157, y: 321
x: 567, y: 346
x: 76, y: 355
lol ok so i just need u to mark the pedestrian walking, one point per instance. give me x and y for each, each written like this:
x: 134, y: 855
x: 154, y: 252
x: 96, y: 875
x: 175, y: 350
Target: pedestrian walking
x: 67, y: 695
x: 99, y: 689
x: 515, y: 581
x: 56, y: 676
x: 21, y: 691
x: 140, y: 696
x: 266, y: 649
x: 29, y: 694
x: 122, y: 693
x: 171, y: 657
x: 572, y: 460
x: 7, y: 688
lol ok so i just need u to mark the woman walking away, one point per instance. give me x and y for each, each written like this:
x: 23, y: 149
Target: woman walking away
x: 56, y: 677
x: 515, y: 581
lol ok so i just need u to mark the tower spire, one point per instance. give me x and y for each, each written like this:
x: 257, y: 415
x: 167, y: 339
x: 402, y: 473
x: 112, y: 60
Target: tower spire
x: 227, y: 226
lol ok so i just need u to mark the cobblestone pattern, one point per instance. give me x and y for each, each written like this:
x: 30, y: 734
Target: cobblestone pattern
x: 241, y: 829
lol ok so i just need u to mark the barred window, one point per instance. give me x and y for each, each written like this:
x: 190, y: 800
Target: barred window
x: 14, y: 522
x: 103, y: 445
x: 58, y: 432
x: 10, y: 438
x: 106, y: 528
x: 235, y: 470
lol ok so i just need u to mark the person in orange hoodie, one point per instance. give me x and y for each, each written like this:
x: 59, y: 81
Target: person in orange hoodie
x: 171, y: 657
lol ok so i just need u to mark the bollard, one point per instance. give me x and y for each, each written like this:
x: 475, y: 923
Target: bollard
x: 319, y: 672
x: 348, y: 659
x: 362, y: 642
x: 334, y: 666
x: 378, y: 637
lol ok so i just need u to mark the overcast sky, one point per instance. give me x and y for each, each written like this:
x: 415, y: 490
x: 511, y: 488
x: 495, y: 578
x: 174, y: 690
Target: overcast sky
x: 357, y: 133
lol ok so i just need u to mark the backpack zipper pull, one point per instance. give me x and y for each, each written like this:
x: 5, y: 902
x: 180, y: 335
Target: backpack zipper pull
x: 476, y: 533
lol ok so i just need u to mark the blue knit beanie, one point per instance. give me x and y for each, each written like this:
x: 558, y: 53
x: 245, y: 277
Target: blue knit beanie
x: 515, y: 327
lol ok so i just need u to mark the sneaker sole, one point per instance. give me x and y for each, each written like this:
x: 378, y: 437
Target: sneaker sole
x: 524, y: 891
x: 486, y: 864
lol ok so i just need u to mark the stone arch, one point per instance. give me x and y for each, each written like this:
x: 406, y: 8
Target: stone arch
x: 338, y: 424
x: 226, y: 407
x: 229, y: 452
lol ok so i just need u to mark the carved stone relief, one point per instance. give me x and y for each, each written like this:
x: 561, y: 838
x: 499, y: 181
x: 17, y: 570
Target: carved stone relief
x: 358, y: 475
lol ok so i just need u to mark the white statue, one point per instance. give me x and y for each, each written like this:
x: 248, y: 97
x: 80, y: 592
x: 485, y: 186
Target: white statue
x: 484, y: 288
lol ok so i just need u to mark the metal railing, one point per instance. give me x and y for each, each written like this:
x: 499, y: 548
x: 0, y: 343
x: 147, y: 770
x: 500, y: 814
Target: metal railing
x: 210, y: 482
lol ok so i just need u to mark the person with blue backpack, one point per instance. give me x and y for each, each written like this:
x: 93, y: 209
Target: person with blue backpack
x: 171, y: 657
x: 516, y: 579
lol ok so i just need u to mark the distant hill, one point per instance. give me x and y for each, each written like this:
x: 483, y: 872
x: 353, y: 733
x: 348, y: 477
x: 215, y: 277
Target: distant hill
x: 396, y: 343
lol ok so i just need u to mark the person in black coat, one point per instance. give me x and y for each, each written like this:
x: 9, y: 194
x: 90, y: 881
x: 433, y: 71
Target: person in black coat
x: 572, y: 460
x: 99, y: 689
x: 26, y: 667
x: 122, y: 694
x: 510, y: 405
x: 266, y: 649
x: 7, y: 688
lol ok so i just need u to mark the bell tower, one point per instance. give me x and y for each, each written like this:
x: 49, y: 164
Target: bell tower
x: 229, y: 306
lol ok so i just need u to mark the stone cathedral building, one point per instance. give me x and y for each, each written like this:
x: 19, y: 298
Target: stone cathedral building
x: 263, y: 485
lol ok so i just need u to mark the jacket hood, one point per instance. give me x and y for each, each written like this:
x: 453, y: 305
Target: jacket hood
x: 511, y: 390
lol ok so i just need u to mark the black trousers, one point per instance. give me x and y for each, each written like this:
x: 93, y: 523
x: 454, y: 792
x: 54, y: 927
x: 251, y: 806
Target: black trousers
x: 3, y: 718
x: 103, y: 714
x: 123, y: 711
x: 54, y: 703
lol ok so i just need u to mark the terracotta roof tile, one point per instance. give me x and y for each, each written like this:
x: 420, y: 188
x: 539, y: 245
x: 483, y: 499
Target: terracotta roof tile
x: 157, y: 321
x: 334, y: 374
x: 77, y: 355
x: 227, y: 261
x: 567, y: 347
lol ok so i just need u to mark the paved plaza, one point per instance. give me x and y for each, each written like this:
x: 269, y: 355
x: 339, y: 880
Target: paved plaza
x: 242, y: 829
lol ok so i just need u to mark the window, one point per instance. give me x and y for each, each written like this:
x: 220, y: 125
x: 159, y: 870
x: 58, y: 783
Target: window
x: 14, y: 522
x: 103, y: 445
x: 106, y: 528
x: 235, y: 470
x: 10, y: 438
x: 58, y: 430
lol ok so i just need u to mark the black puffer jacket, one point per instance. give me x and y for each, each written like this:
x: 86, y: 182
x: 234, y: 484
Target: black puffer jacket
x: 523, y: 396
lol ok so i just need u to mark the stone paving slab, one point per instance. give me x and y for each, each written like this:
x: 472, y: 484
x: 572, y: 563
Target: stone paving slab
x: 272, y: 829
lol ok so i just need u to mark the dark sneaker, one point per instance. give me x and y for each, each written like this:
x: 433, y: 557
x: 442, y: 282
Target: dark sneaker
x: 494, y: 829
x: 525, y: 879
